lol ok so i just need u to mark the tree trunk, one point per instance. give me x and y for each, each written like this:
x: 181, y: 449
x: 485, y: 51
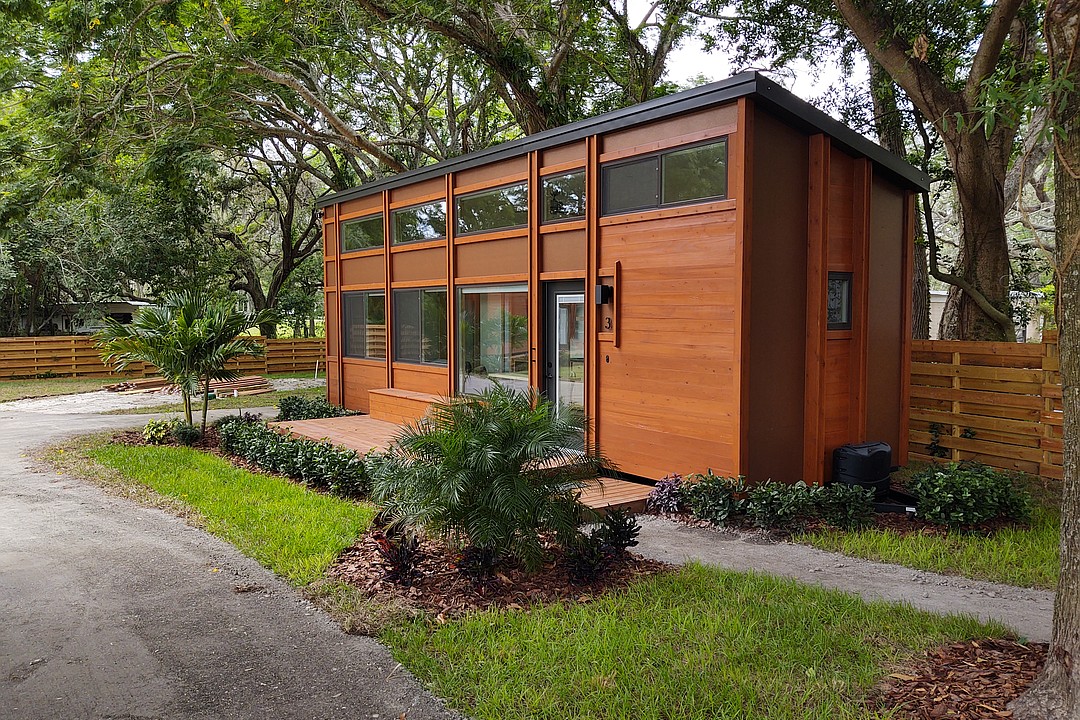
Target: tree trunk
x: 920, y: 290
x: 205, y: 403
x: 1056, y: 693
x: 983, y: 260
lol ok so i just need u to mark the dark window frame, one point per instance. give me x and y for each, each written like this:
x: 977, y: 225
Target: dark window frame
x: 658, y: 156
x: 345, y: 316
x: 362, y: 218
x: 544, y: 219
x: 393, y: 225
x: 395, y: 294
x: 457, y: 209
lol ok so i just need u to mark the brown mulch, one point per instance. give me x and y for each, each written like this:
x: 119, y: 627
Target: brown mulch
x: 441, y: 589
x: 964, y: 681
x: 209, y: 442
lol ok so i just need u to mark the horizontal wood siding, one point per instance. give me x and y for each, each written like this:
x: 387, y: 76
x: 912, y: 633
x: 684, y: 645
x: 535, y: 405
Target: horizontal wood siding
x: 997, y: 403
x: 668, y: 398
x: 420, y: 378
x: 357, y: 379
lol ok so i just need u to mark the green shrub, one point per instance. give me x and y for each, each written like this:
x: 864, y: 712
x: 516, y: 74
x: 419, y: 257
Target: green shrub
x: 157, y: 432
x: 779, y: 506
x: 495, y: 471
x: 845, y: 507
x: 714, y: 498
x: 318, y: 465
x: 186, y: 433
x: 968, y: 493
x: 298, y: 407
x: 619, y: 529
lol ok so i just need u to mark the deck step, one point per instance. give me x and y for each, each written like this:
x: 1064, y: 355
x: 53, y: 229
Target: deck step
x: 399, y: 406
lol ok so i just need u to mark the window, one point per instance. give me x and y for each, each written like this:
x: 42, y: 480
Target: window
x: 362, y: 233
x: 838, y: 306
x: 493, y: 337
x: 420, y: 326
x: 685, y: 175
x: 697, y: 173
x: 364, y: 334
x: 563, y: 197
x: 420, y: 222
x: 496, y: 209
x: 630, y: 186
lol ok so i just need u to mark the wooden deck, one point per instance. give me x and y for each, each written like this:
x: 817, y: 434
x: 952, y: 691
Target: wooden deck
x: 364, y: 433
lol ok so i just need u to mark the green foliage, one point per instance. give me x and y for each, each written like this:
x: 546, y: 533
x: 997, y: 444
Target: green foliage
x: 158, y: 432
x: 845, y: 507
x: 298, y: 407
x: 318, y: 465
x: 587, y: 557
x: 186, y: 433
x: 779, y: 506
x: 619, y: 529
x: 714, y: 498
x: 494, y: 470
x: 968, y: 493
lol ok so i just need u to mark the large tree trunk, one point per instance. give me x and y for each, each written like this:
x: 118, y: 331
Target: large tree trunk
x: 983, y: 260
x: 1056, y: 693
x: 920, y: 290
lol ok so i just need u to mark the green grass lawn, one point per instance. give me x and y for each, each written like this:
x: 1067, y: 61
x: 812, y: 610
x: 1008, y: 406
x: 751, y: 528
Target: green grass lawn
x: 225, y: 403
x: 46, y: 387
x: 1025, y: 556
x: 700, y: 643
x: 291, y: 530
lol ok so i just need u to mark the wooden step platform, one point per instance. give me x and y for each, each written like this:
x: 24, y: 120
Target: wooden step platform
x: 399, y: 406
x: 611, y: 493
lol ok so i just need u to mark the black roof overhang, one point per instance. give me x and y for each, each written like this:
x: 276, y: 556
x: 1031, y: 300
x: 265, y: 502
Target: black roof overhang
x: 794, y: 110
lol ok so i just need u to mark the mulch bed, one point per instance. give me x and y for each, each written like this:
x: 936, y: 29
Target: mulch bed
x: 965, y: 680
x: 441, y: 589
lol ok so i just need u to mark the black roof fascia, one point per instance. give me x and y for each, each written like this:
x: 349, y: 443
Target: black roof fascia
x: 744, y: 84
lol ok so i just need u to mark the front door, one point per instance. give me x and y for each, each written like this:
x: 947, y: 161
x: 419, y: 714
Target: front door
x: 564, y: 343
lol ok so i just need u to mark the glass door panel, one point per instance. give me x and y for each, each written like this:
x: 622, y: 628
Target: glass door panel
x: 564, y: 361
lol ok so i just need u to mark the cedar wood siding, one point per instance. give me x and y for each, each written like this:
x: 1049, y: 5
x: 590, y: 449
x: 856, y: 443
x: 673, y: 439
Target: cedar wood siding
x: 777, y: 300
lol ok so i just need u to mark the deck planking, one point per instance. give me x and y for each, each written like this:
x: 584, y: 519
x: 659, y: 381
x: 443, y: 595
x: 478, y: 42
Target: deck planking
x: 364, y: 433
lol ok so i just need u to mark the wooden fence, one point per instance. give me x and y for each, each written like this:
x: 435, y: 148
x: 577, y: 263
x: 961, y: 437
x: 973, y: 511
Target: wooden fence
x: 76, y: 356
x: 998, y: 403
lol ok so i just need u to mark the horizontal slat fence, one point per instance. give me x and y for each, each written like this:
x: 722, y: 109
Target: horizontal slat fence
x: 997, y: 403
x: 76, y: 356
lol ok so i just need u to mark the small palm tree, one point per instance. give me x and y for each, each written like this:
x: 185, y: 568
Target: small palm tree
x: 190, y: 337
x: 494, y: 470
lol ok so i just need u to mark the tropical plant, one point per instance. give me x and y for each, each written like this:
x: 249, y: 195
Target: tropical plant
x: 968, y: 493
x: 713, y: 497
x: 190, y: 337
x: 495, y: 470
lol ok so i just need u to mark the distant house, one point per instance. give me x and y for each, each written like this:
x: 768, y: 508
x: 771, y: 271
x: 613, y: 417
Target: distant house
x: 721, y: 277
x: 1031, y: 331
x: 87, y: 318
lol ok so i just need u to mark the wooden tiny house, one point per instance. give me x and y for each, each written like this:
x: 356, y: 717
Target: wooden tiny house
x: 722, y: 277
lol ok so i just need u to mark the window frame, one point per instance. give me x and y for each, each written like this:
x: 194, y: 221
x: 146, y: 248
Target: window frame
x: 362, y: 218
x: 457, y: 209
x: 345, y: 316
x: 459, y: 304
x: 393, y: 224
x: 395, y: 293
x: 658, y: 156
x: 848, y: 278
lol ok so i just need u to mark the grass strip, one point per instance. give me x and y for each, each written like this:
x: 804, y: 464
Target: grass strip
x: 223, y: 403
x: 49, y: 387
x: 699, y: 643
x: 289, y: 529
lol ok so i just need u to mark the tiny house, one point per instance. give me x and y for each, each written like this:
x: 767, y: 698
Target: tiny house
x: 721, y: 277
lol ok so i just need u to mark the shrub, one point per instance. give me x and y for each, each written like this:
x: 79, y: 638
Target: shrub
x: 846, y: 507
x: 588, y: 557
x: 298, y: 407
x: 401, y: 553
x: 495, y: 470
x: 157, y: 432
x: 778, y: 506
x: 968, y: 493
x: 714, y: 498
x: 317, y: 464
x: 667, y: 495
x: 476, y: 563
x: 186, y: 433
x: 619, y: 529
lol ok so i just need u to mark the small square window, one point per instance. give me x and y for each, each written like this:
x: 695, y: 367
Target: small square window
x: 838, y: 304
x: 563, y: 197
x: 419, y: 223
x: 362, y: 234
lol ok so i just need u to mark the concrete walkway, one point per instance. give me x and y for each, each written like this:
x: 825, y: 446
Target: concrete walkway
x: 1029, y: 612
x: 112, y: 610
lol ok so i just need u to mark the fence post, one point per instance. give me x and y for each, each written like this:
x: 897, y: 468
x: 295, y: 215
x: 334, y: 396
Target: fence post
x: 955, y: 452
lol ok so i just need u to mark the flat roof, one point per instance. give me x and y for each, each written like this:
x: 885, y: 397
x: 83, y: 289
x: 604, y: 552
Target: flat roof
x: 796, y: 111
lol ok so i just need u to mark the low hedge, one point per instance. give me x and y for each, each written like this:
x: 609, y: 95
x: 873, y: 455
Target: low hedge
x: 298, y: 407
x: 318, y: 465
x: 968, y: 493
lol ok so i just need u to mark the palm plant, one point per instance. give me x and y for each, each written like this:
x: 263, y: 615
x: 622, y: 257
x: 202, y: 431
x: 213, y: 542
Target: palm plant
x: 190, y: 337
x: 494, y: 470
